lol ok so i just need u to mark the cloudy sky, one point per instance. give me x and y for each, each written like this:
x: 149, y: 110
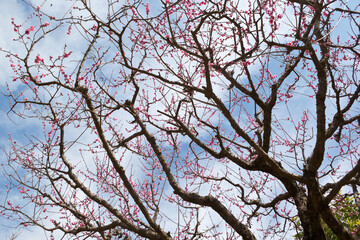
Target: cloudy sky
x: 23, y: 129
x: 20, y: 128
x: 8, y: 9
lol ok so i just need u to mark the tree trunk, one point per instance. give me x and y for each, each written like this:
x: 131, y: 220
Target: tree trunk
x: 312, y: 225
x: 309, y: 217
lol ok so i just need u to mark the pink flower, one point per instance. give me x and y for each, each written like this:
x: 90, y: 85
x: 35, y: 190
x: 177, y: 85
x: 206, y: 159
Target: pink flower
x: 147, y: 8
x: 38, y: 59
x: 133, y: 11
x: 67, y: 54
x: 45, y: 24
x: 27, y: 31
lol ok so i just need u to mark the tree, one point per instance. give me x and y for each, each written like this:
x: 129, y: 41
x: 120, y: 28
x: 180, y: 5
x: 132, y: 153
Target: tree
x: 186, y: 119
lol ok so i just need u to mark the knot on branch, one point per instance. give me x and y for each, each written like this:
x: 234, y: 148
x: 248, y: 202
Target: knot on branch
x: 127, y: 103
x: 207, y: 92
x: 82, y: 89
x: 339, y: 118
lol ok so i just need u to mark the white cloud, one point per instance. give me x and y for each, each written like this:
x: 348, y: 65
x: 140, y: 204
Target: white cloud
x: 54, y: 45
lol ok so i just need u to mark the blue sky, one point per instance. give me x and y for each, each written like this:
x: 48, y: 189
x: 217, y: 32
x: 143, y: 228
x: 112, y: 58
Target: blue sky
x: 8, y: 9
x: 21, y: 128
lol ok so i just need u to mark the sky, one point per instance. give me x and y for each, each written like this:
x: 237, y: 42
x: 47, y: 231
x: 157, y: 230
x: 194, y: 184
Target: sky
x: 23, y: 129
x: 8, y: 9
x: 20, y: 128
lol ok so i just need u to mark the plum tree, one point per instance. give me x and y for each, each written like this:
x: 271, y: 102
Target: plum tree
x: 187, y: 119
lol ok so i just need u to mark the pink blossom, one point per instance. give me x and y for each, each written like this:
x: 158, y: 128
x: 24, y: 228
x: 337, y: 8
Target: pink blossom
x: 38, y: 59
x: 67, y: 54
x: 27, y: 31
x: 147, y: 8
x: 45, y: 24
